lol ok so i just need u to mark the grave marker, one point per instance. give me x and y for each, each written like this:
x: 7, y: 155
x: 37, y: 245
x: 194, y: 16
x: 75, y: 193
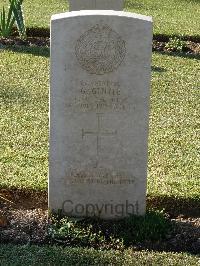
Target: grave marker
x: 76, y: 5
x: 99, y: 113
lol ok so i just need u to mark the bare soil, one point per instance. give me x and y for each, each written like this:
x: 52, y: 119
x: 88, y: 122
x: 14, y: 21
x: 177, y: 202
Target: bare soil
x: 29, y: 42
x: 190, y: 48
x: 24, y: 220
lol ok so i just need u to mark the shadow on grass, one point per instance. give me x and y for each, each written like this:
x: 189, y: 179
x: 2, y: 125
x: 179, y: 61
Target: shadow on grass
x: 16, y: 95
x: 174, y: 206
x: 192, y: 1
x: 45, y: 32
x: 28, y: 199
x: 180, y: 54
x: 34, y: 50
x: 158, y: 69
x: 47, y: 255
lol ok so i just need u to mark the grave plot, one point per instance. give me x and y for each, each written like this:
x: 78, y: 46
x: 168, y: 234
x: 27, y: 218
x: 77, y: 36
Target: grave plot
x: 92, y: 114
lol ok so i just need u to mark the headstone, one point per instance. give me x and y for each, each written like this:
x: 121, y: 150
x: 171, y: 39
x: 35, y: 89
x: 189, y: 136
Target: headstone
x: 99, y: 113
x: 76, y: 5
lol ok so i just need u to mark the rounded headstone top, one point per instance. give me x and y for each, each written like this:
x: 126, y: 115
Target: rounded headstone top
x: 76, y: 5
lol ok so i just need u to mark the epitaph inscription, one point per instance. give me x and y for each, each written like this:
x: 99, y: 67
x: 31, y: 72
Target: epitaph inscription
x: 100, y: 50
x: 99, y: 175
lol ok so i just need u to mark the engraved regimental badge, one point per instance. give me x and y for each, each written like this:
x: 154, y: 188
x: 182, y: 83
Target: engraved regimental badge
x: 100, y: 50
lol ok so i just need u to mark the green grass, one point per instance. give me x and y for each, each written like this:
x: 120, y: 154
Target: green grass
x: 46, y: 255
x: 37, y: 13
x: 173, y: 142
x: 24, y: 119
x: 180, y: 17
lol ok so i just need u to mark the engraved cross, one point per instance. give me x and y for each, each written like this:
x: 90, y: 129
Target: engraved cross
x: 99, y: 132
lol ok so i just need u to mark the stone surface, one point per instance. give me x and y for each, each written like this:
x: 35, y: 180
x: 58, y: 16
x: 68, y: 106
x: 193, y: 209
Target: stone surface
x: 76, y: 5
x: 99, y: 113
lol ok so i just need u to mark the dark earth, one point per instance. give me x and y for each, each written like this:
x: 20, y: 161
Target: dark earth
x: 24, y: 220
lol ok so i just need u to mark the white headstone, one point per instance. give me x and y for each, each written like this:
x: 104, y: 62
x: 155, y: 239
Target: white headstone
x: 99, y: 113
x: 76, y: 5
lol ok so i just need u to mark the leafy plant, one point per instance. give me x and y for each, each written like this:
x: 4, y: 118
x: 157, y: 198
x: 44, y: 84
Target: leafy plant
x: 176, y: 44
x: 6, y: 23
x: 19, y: 18
x: 80, y: 233
x: 15, y: 14
x: 154, y: 226
x: 91, y: 232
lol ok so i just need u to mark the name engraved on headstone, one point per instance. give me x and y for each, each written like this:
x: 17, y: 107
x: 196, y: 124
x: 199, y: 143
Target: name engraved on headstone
x: 99, y: 96
x: 100, y: 50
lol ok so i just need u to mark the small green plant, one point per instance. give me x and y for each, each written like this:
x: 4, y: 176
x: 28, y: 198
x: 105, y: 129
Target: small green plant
x: 19, y: 18
x: 15, y: 15
x: 176, y: 44
x: 80, y: 233
x: 6, y: 23
x: 91, y: 232
x: 154, y: 226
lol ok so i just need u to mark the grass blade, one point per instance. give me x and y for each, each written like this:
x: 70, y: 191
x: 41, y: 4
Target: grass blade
x: 18, y: 14
x: 3, y: 22
x: 10, y: 20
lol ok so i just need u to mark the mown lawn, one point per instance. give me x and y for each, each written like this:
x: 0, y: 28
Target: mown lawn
x: 174, y: 120
x: 173, y: 168
x: 180, y: 17
x: 174, y: 127
x: 24, y: 118
x: 33, y: 255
